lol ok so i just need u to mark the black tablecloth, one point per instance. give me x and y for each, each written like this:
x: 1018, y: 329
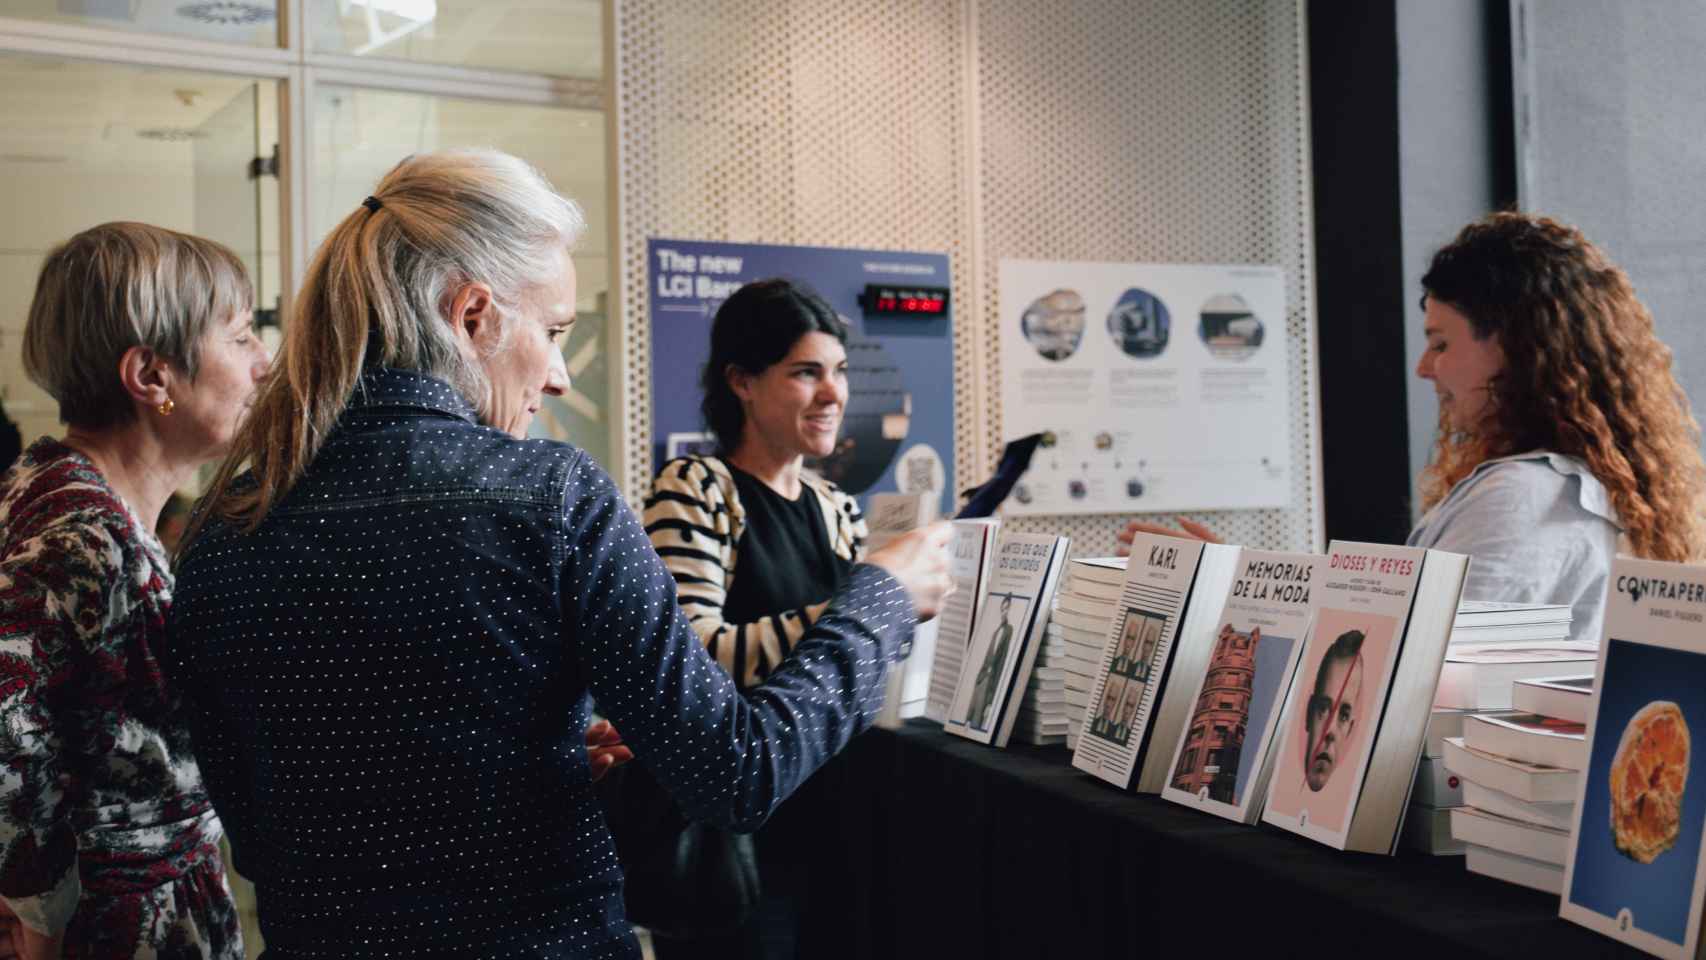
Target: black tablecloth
x: 947, y: 848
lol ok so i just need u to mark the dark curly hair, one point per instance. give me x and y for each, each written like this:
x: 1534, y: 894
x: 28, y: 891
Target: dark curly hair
x: 753, y: 330
x: 1584, y: 376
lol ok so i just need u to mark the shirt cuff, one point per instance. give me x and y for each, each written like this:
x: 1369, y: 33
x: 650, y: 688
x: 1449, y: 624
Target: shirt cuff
x: 875, y: 598
x: 50, y: 913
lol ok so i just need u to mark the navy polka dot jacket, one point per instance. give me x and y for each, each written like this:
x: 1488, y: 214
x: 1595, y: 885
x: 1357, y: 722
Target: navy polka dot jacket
x: 390, y: 682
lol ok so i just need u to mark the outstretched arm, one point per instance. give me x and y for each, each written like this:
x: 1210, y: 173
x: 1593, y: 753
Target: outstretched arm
x: 727, y: 756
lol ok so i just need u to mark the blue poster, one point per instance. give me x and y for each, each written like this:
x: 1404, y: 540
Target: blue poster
x: 897, y: 433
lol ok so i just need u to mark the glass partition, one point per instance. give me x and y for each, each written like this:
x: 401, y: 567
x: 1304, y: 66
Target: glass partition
x: 250, y: 22
x: 359, y: 134
x: 87, y: 143
x: 555, y: 37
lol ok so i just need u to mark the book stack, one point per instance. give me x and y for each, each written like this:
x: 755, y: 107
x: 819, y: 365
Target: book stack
x: 1519, y: 772
x: 1495, y: 644
x: 1491, y: 645
x: 1084, y: 607
x: 1437, y: 791
x: 1042, y: 715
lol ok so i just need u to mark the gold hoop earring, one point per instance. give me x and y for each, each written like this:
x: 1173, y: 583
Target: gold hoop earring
x: 167, y: 407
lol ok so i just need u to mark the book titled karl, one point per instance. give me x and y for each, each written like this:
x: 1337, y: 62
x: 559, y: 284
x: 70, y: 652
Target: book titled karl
x: 1153, y: 659
x: 1357, y: 716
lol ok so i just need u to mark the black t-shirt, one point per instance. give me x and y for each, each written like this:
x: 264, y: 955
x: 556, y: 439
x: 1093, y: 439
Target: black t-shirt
x: 784, y: 560
x: 11, y: 442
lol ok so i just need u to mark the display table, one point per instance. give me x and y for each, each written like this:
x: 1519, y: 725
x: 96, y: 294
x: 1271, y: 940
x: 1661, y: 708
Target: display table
x: 947, y: 848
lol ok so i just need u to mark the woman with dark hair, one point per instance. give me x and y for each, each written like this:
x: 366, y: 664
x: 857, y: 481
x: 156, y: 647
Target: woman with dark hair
x: 775, y: 388
x: 757, y: 543
x: 1561, y: 427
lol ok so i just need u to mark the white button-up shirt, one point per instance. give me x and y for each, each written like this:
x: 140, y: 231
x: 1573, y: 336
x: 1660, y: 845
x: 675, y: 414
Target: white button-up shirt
x: 1539, y: 527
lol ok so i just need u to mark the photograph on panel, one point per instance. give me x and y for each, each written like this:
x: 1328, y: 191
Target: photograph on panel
x: 1107, y: 710
x: 995, y: 650
x: 1327, y: 735
x: 1638, y: 849
x: 1247, y: 676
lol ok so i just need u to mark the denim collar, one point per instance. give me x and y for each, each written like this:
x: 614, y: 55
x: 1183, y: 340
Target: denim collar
x: 389, y: 387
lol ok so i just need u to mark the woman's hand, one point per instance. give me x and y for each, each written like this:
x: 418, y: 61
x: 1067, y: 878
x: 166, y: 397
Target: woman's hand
x: 604, y: 749
x: 1190, y: 530
x: 17, y: 940
x: 919, y: 560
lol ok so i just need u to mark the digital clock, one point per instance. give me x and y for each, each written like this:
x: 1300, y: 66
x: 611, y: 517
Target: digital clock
x: 890, y: 301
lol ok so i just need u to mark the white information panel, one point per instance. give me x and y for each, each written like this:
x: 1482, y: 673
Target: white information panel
x: 1156, y: 386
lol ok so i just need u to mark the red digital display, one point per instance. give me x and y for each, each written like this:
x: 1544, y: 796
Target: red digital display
x: 905, y: 301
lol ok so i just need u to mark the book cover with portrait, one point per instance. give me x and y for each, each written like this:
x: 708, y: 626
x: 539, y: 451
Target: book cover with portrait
x: 1636, y: 869
x: 1224, y: 758
x: 1007, y: 632
x: 1156, y: 644
x: 1336, y: 707
x: 1356, y: 718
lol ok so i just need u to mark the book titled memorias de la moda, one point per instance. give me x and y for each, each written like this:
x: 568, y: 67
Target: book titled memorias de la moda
x: 1159, y: 640
x: 1636, y: 869
x: 971, y: 555
x: 1222, y: 759
x: 1009, y: 631
x: 1356, y: 719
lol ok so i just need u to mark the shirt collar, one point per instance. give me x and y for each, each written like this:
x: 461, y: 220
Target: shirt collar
x: 1591, y: 493
x: 389, y: 387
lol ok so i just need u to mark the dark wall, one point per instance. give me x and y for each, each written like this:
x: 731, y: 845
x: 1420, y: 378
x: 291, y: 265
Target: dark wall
x: 1353, y: 93
x: 1410, y: 109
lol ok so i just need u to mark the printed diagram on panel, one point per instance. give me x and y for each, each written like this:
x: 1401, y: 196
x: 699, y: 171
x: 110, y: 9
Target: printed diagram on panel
x: 1153, y: 385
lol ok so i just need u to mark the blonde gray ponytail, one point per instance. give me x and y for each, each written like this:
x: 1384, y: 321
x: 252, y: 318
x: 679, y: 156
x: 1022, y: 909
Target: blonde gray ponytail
x: 376, y: 294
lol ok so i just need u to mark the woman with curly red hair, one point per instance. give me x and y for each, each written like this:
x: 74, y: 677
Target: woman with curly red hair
x: 1561, y: 424
x: 1563, y: 435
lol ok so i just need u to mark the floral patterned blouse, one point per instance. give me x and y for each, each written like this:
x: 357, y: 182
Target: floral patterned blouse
x: 106, y: 833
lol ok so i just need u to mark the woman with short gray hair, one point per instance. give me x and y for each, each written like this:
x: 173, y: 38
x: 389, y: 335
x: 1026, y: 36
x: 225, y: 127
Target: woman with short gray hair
x: 394, y: 619
x: 109, y: 846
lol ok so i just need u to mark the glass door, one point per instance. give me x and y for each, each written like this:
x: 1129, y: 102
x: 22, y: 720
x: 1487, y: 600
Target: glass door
x: 227, y: 170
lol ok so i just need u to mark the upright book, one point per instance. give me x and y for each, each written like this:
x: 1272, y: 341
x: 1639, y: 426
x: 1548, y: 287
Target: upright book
x: 971, y: 554
x: 1636, y: 870
x: 1221, y: 762
x: 889, y: 516
x: 1357, y: 717
x: 1009, y: 631
x: 1163, y: 629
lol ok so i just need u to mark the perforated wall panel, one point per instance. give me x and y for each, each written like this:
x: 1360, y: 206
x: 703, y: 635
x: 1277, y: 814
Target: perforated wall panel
x: 1090, y: 130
